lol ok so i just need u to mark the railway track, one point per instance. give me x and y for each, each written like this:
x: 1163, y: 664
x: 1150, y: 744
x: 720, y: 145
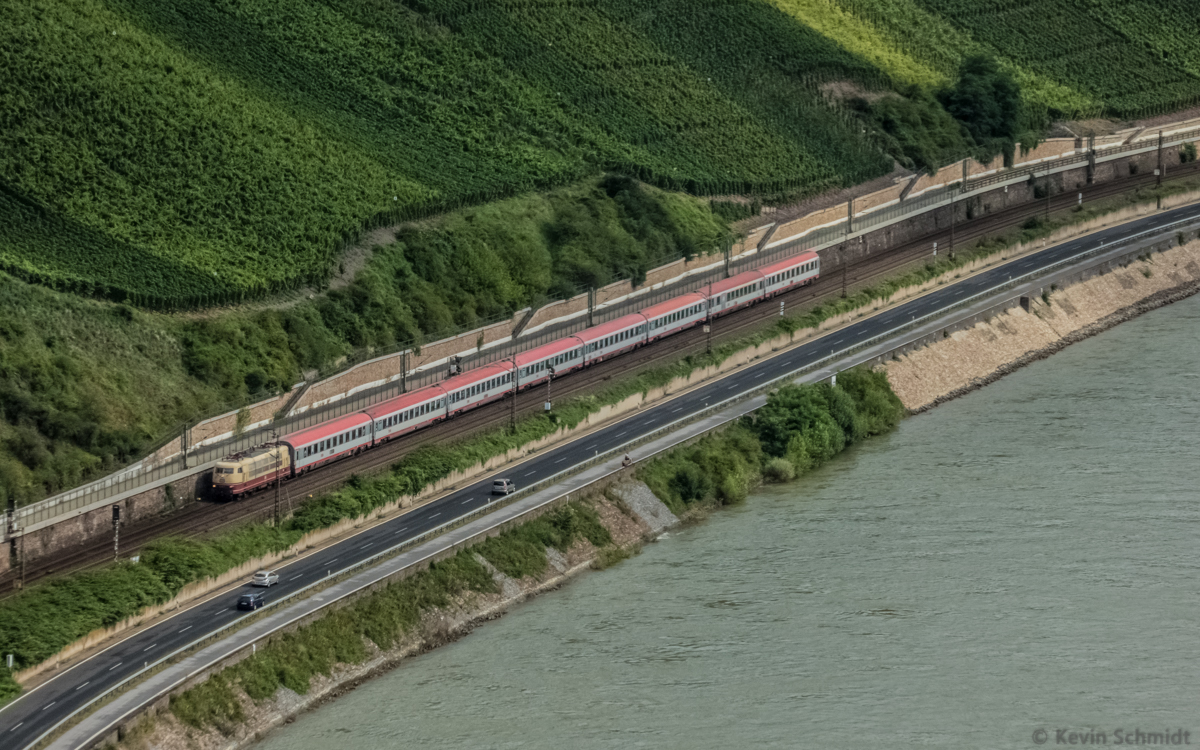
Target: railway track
x: 204, y: 518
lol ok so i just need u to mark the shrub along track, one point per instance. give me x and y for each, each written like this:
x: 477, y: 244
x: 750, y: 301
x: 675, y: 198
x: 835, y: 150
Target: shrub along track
x: 204, y: 517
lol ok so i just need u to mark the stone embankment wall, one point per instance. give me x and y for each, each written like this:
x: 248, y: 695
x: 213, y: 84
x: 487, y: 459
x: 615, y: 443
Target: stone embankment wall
x: 632, y: 516
x: 971, y: 358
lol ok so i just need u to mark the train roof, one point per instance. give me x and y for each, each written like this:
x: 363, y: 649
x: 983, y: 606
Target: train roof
x: 611, y: 327
x: 733, y: 282
x: 671, y: 305
x: 473, y: 376
x: 326, y: 429
x: 787, y: 263
x: 249, y: 453
x: 548, y: 350
x: 405, y: 401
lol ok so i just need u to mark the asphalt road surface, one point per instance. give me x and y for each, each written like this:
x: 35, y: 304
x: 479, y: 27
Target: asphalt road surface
x: 23, y: 721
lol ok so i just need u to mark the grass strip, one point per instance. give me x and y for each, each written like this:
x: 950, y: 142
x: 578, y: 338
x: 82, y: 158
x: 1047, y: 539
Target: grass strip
x: 799, y: 428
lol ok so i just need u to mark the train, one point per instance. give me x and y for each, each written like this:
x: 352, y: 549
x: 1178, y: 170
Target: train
x: 308, y: 449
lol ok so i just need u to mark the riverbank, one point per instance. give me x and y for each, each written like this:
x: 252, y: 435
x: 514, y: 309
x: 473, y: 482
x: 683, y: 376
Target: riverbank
x: 969, y: 359
x: 229, y: 710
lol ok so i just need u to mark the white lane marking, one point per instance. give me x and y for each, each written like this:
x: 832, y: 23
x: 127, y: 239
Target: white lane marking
x: 152, y: 645
x: 403, y: 529
x: 368, y: 544
x: 675, y: 410
x: 590, y: 447
x: 464, y: 502
x: 730, y: 388
x: 81, y: 687
x: 559, y: 461
x: 115, y: 666
x: 335, y: 559
x: 531, y: 473
x: 48, y: 705
x: 189, y: 627
x: 619, y: 434
x: 760, y: 374
x: 435, y: 515
x: 295, y: 577
x: 17, y: 727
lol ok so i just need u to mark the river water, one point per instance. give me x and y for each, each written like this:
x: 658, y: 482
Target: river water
x: 1021, y: 559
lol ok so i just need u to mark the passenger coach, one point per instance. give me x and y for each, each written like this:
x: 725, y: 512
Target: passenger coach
x: 562, y: 356
x: 407, y: 412
x: 735, y: 292
x: 675, y: 315
x: 612, y: 338
x: 798, y: 271
x: 329, y: 441
x: 477, y: 387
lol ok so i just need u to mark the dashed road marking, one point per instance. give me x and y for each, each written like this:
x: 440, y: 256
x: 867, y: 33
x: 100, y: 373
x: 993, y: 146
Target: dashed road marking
x: 152, y: 645
x: 115, y: 666
x: 295, y: 577
x: 368, y: 544
x: 675, y: 410
x: 48, y: 705
x: 531, y: 473
x: 435, y: 515
x: 189, y: 627
x: 17, y: 727
x: 81, y: 687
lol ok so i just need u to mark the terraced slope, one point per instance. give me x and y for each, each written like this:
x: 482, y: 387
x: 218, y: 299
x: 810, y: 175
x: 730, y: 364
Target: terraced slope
x: 196, y: 152
x: 1078, y: 58
x: 191, y: 152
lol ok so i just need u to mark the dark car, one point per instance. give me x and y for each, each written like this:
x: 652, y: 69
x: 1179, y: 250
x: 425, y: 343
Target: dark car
x: 251, y: 601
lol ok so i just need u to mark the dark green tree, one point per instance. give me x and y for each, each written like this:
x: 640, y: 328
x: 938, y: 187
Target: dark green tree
x: 987, y: 100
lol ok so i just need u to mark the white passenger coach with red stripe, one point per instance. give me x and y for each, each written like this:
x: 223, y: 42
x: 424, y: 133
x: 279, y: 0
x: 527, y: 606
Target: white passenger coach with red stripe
x: 407, y: 412
x: 732, y: 293
x: 558, y: 357
x: 799, y: 270
x: 614, y: 337
x: 352, y: 433
x: 477, y: 387
x: 674, y: 315
x: 328, y: 441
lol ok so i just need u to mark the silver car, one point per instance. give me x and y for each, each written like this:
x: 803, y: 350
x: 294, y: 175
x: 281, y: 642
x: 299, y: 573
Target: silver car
x: 264, y: 578
x: 503, y: 487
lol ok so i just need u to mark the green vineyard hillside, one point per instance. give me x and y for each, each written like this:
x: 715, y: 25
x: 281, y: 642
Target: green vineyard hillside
x: 195, y: 153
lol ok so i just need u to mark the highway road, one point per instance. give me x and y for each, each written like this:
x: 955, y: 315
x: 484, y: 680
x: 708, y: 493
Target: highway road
x: 23, y: 721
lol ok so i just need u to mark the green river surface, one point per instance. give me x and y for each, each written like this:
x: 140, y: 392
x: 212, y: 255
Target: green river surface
x: 1021, y: 559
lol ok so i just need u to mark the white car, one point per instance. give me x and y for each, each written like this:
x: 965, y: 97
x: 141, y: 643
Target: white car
x: 264, y: 578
